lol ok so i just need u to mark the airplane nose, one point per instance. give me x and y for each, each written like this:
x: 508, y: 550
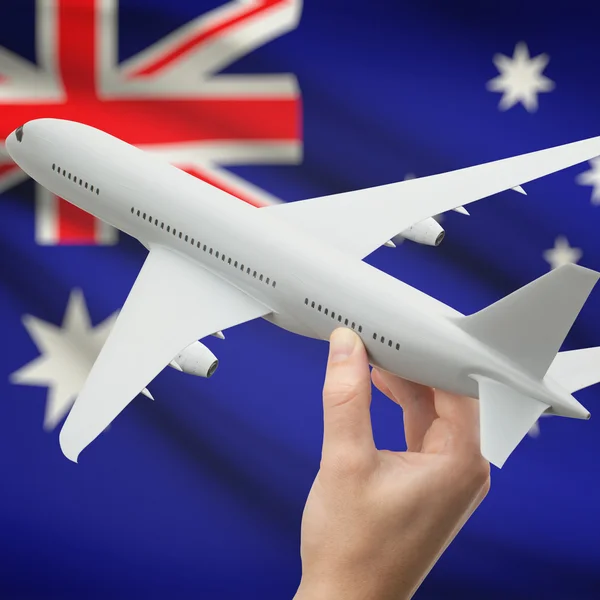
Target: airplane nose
x: 13, y: 143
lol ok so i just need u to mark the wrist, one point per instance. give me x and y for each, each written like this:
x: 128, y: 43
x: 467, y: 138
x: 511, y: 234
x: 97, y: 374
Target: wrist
x: 321, y: 590
x: 350, y: 588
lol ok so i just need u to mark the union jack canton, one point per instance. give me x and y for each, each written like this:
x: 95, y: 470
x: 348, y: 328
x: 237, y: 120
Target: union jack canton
x: 167, y: 99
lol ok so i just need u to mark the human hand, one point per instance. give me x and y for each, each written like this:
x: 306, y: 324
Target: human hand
x: 376, y: 521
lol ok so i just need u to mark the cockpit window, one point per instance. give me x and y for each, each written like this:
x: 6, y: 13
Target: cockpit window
x: 19, y: 133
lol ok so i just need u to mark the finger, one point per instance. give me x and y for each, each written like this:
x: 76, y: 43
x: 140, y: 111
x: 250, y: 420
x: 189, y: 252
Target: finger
x: 347, y: 397
x: 416, y: 401
x: 463, y: 413
x: 457, y: 429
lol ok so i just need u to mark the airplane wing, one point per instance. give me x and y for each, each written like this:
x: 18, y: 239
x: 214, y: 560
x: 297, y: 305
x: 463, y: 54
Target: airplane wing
x: 173, y: 302
x: 358, y: 222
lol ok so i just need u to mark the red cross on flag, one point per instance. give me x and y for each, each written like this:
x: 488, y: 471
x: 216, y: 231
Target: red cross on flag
x: 168, y: 98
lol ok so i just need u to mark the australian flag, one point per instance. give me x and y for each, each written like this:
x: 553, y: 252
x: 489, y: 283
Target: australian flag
x: 199, y: 493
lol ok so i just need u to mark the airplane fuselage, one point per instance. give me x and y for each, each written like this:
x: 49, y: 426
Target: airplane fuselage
x: 310, y: 286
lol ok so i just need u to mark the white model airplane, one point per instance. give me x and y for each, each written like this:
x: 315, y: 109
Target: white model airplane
x: 215, y: 262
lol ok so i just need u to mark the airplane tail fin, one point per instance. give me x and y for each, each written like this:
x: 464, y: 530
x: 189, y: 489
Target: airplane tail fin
x: 576, y: 369
x: 530, y: 324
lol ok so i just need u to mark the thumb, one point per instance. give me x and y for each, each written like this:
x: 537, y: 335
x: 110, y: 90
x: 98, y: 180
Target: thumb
x: 347, y: 398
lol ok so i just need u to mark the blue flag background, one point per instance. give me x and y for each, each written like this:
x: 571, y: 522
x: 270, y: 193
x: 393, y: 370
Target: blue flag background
x: 199, y: 494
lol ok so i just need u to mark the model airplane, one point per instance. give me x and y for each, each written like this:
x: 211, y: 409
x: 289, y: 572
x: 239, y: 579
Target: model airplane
x: 215, y: 262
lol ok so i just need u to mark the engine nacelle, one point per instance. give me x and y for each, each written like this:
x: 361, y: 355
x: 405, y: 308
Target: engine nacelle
x: 197, y: 360
x: 428, y: 232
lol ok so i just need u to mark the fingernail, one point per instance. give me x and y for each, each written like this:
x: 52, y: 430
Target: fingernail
x: 341, y: 344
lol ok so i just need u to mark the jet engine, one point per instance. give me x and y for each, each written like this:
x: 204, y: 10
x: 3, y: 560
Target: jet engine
x: 428, y: 232
x: 196, y: 359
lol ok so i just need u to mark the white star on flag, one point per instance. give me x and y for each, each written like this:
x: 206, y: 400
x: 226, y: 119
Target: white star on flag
x: 67, y: 354
x: 592, y: 177
x: 520, y: 78
x: 535, y: 428
x: 562, y: 253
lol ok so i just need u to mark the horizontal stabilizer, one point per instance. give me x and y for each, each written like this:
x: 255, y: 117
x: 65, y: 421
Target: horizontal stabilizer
x: 576, y: 369
x: 529, y: 325
x: 505, y: 418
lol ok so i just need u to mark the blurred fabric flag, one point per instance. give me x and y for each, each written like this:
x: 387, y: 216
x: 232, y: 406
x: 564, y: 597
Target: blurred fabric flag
x: 200, y: 493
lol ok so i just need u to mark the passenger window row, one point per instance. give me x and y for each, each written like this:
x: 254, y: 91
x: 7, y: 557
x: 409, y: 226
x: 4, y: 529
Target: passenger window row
x: 347, y: 322
x: 390, y: 343
x: 204, y: 247
x: 332, y: 314
x: 68, y: 175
